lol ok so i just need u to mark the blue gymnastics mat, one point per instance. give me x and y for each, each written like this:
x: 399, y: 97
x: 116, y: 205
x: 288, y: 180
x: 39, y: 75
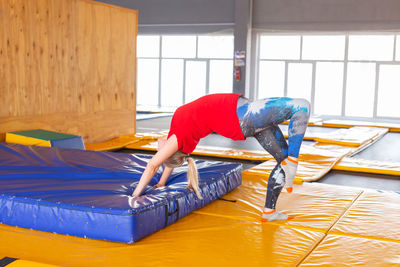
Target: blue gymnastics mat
x: 87, y: 193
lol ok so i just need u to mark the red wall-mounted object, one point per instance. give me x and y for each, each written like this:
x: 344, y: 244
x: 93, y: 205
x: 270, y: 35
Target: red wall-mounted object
x: 237, y: 74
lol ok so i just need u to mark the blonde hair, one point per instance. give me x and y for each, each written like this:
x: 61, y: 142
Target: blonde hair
x: 176, y: 160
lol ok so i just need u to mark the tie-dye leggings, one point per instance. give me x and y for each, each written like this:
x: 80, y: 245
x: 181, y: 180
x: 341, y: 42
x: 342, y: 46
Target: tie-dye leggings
x: 260, y: 119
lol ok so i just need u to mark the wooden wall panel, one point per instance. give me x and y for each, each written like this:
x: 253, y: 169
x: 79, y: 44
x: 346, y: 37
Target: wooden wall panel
x: 68, y: 66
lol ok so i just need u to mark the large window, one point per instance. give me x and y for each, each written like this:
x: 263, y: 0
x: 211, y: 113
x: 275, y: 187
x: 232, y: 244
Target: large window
x: 354, y: 75
x: 173, y: 70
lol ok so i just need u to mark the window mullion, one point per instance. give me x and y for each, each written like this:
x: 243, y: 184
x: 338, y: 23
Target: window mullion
x: 301, y: 47
x: 159, y: 71
x: 377, y: 66
x: 207, y: 76
x: 345, y: 63
x: 313, y: 77
x: 184, y: 81
x: 285, y: 88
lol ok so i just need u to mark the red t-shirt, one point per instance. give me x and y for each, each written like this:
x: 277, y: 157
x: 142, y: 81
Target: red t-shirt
x: 210, y: 113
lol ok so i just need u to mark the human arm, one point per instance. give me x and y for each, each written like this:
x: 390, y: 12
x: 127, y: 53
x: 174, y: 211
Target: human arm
x: 169, y: 148
x: 166, y: 173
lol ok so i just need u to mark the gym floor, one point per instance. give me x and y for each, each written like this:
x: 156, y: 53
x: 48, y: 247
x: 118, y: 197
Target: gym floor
x: 385, y: 149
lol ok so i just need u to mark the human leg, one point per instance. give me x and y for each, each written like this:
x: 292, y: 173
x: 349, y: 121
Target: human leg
x: 260, y: 114
x: 255, y: 116
x: 272, y: 140
x: 298, y: 125
x: 297, y: 128
x: 260, y: 119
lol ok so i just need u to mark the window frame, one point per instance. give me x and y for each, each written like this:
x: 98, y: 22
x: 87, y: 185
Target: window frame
x: 185, y: 60
x: 257, y: 60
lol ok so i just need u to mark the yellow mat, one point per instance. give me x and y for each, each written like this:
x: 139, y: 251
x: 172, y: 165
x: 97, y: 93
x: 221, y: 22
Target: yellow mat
x: 336, y: 250
x: 196, y: 240
x: 364, y: 144
x: 250, y: 197
x: 393, y: 127
x: 368, y: 234
x: 25, y: 140
x: 368, y: 166
x: 375, y: 215
x: 12, y: 262
x: 219, y: 152
x: 230, y: 234
x: 113, y: 144
x: 337, y: 123
x: 125, y: 140
x: 313, y: 121
x: 314, y: 162
x: 355, y: 136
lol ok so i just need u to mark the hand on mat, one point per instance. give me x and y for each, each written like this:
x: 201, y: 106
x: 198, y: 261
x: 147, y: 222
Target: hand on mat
x: 159, y: 185
x: 132, y: 201
x: 273, y: 215
x: 289, y: 166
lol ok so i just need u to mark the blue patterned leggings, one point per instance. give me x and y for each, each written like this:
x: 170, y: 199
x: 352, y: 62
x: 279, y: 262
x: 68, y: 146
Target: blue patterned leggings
x: 260, y: 119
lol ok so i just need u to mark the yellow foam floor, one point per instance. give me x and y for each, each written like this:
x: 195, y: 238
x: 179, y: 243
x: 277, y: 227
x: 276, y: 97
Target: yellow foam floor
x: 355, y: 136
x: 314, y: 162
x: 113, y: 144
x: 393, y: 127
x: 326, y: 219
x: 23, y: 263
x: 368, y: 166
x: 219, y: 152
x: 375, y: 215
x: 336, y: 250
x: 126, y: 140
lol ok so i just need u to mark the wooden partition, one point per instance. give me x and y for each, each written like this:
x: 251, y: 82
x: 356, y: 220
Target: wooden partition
x: 68, y: 66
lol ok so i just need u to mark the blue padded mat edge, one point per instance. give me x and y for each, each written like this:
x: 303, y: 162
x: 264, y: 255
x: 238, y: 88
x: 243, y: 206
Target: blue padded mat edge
x: 87, y: 193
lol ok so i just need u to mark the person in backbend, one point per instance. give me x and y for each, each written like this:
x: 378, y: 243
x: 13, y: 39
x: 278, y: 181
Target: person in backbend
x: 233, y: 116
